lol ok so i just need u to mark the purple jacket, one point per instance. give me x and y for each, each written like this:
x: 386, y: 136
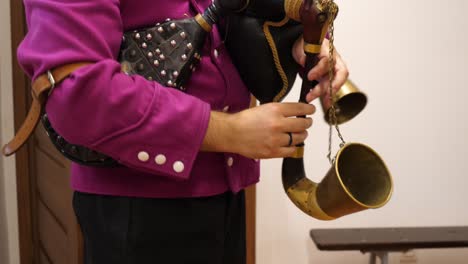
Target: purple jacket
x: 156, y: 132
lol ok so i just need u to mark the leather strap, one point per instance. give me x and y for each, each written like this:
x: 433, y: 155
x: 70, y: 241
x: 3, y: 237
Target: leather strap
x: 41, y: 89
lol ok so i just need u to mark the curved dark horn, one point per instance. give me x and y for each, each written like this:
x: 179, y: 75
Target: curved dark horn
x: 359, y: 179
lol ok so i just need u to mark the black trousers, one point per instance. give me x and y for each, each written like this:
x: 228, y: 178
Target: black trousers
x: 120, y: 230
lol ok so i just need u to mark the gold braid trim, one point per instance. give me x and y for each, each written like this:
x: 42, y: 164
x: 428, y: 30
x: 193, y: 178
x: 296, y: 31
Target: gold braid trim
x: 292, y: 8
x: 274, y: 50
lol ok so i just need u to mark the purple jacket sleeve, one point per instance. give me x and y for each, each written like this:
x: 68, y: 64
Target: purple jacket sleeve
x: 100, y: 107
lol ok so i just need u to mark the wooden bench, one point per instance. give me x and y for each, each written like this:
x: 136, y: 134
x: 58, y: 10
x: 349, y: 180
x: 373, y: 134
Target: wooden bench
x: 380, y: 241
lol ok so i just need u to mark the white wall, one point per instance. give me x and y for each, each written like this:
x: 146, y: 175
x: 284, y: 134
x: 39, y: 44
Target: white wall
x: 9, y: 252
x: 411, y: 59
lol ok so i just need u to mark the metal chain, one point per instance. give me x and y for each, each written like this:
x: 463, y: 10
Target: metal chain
x: 332, y: 10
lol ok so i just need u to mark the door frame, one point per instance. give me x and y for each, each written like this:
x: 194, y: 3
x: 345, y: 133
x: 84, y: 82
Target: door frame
x: 21, y: 106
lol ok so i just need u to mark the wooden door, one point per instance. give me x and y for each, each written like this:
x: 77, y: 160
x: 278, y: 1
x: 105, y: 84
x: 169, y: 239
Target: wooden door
x: 58, y: 235
x: 49, y: 233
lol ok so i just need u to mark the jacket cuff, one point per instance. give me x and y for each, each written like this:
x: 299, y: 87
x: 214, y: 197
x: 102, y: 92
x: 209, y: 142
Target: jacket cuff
x: 167, y: 140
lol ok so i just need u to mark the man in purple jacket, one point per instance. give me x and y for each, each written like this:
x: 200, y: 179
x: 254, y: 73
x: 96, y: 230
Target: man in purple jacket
x: 187, y: 156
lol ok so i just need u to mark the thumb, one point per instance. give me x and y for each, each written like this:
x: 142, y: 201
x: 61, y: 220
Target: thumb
x: 298, y: 52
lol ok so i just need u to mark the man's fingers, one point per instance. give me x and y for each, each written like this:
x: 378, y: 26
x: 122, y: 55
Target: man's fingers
x: 314, y: 93
x: 341, y: 76
x: 286, y: 152
x: 318, y: 91
x: 296, y: 109
x: 297, y: 138
x: 319, y: 70
x: 296, y: 125
x: 323, y: 88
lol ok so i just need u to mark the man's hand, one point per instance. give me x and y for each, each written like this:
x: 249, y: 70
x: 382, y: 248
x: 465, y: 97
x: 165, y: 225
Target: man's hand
x: 320, y: 72
x: 260, y: 132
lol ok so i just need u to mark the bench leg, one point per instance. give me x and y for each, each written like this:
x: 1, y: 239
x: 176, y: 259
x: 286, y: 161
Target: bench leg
x: 383, y: 256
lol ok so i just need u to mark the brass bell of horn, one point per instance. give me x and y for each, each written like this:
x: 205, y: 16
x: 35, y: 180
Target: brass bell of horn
x: 358, y: 180
x: 349, y: 102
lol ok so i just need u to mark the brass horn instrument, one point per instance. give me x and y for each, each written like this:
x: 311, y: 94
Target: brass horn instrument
x: 358, y: 179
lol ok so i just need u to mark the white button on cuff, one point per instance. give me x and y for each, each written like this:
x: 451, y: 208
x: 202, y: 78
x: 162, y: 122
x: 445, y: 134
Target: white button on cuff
x: 143, y: 156
x: 178, y: 166
x: 230, y: 161
x: 160, y: 159
x: 226, y: 108
x: 216, y: 53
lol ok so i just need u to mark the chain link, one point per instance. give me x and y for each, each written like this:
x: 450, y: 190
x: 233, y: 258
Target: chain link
x: 332, y: 10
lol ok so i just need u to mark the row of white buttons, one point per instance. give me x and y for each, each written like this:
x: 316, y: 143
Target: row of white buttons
x: 160, y: 159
